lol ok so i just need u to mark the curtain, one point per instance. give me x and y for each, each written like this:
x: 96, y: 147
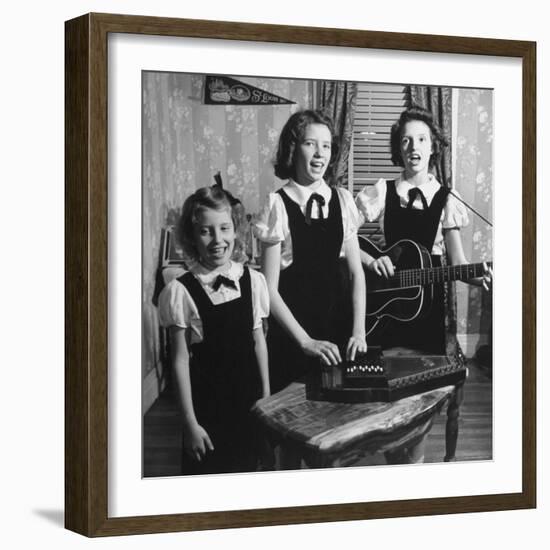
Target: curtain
x: 337, y: 99
x: 473, y: 178
x: 438, y: 101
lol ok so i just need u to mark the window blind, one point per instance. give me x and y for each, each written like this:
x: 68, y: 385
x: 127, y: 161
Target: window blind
x: 378, y: 106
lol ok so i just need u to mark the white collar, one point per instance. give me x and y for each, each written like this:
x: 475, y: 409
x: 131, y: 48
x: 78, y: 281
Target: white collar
x: 428, y: 188
x: 301, y: 193
x: 206, y: 276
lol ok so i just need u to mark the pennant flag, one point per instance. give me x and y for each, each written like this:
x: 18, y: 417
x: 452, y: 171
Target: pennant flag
x: 222, y: 90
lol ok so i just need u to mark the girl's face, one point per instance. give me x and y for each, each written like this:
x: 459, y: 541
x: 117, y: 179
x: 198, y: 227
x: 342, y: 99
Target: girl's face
x: 312, y: 156
x: 214, y: 237
x: 416, y: 147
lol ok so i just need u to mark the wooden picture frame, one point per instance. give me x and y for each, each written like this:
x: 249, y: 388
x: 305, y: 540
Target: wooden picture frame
x: 86, y: 230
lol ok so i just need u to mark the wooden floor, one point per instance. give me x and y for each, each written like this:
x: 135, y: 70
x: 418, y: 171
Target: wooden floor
x: 162, y: 436
x: 475, y: 440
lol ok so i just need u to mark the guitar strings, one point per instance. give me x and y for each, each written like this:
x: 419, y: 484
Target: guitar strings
x: 438, y: 274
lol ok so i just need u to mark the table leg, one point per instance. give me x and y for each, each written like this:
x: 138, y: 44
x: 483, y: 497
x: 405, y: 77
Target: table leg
x: 451, y: 429
x: 290, y: 457
x: 412, y: 454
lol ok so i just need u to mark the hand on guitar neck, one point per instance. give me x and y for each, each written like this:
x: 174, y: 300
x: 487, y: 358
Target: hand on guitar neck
x: 486, y: 280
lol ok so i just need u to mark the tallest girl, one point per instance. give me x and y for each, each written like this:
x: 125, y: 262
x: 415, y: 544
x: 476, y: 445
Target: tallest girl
x: 306, y: 228
x: 416, y: 206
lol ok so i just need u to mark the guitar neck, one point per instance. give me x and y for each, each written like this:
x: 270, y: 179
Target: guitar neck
x: 431, y: 275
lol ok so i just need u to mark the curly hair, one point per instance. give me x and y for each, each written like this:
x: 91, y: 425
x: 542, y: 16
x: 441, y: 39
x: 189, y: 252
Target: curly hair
x: 215, y: 198
x: 293, y: 133
x: 423, y: 115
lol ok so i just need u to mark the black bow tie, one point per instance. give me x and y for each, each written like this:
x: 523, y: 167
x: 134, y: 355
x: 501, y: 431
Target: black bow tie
x: 415, y: 192
x: 226, y: 281
x: 320, y: 201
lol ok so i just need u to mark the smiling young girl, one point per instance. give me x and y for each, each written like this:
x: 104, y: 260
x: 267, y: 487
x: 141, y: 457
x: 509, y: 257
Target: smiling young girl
x: 215, y: 313
x: 417, y: 207
x: 305, y: 228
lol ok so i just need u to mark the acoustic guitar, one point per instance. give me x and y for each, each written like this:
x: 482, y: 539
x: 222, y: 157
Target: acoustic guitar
x: 408, y: 294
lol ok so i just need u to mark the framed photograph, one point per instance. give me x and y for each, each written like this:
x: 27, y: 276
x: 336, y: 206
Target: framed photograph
x: 157, y: 108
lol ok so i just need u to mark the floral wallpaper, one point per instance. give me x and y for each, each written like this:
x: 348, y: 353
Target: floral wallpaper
x: 474, y: 181
x: 184, y: 144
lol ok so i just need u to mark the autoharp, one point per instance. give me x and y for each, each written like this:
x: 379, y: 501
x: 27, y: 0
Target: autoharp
x: 376, y: 376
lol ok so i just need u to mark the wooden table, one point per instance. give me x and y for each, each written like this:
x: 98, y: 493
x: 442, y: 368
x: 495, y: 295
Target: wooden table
x: 325, y: 434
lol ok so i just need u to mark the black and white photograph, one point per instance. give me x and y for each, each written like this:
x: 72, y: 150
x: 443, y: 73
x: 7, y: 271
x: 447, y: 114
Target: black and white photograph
x: 316, y: 274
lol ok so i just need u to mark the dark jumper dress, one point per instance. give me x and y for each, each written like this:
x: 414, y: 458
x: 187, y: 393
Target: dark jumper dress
x: 428, y: 332
x: 225, y: 380
x: 311, y: 287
